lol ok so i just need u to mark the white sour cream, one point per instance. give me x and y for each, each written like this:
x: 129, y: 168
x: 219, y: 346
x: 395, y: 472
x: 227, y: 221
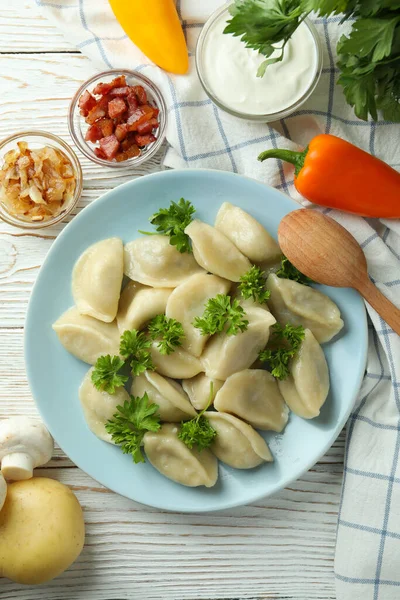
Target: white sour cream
x: 229, y: 70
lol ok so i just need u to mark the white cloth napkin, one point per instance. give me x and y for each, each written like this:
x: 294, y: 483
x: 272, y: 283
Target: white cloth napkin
x: 200, y: 135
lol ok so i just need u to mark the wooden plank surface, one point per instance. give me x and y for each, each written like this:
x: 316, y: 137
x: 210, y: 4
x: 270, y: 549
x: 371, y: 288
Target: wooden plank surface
x: 279, y: 548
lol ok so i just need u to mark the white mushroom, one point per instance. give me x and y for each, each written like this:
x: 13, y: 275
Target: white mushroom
x: 25, y: 444
x: 3, y: 490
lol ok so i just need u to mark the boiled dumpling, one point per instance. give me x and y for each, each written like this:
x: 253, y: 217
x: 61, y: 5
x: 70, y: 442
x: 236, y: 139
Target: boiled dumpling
x: 85, y: 337
x: 247, y: 234
x: 178, y: 365
x: 172, y: 458
x: 174, y: 405
x: 99, y: 406
x: 237, y: 444
x: 188, y: 301
x: 307, y: 387
x: 253, y: 395
x: 140, y: 303
x: 298, y: 304
x: 215, y: 252
x: 152, y: 260
x: 199, y: 388
x: 227, y: 354
x: 97, y: 278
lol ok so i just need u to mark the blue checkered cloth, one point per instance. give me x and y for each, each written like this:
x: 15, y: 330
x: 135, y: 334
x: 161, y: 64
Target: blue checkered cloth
x: 367, y: 564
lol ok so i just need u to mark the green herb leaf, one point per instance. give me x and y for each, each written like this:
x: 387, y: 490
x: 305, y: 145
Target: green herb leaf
x: 289, y: 271
x: 135, y: 347
x: 252, y: 285
x: 325, y: 8
x: 106, y: 376
x: 293, y: 335
x: 130, y: 423
x: 198, y: 431
x: 278, y: 358
x: 219, y: 312
x: 262, y: 23
x: 173, y: 221
x: 168, y: 332
x: 370, y: 38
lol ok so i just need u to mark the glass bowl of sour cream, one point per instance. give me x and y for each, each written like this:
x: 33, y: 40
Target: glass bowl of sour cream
x: 228, y: 71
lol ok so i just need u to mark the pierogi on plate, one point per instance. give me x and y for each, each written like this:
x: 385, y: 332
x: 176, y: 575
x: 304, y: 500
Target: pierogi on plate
x: 199, y: 349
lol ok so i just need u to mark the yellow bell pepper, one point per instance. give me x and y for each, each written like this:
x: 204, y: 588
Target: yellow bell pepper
x: 155, y: 28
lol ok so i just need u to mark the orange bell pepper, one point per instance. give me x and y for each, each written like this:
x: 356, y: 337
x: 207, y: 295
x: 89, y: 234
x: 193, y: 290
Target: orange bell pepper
x: 334, y: 173
x: 155, y: 28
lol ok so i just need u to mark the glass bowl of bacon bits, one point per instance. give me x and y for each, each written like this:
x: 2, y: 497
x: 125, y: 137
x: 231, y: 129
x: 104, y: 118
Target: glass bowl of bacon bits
x: 118, y: 118
x: 40, y: 179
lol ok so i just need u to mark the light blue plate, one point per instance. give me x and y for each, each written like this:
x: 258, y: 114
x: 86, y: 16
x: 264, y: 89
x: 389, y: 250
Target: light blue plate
x: 55, y: 376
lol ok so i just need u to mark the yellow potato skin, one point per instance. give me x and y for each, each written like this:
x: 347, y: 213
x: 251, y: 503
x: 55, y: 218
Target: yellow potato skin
x: 42, y: 530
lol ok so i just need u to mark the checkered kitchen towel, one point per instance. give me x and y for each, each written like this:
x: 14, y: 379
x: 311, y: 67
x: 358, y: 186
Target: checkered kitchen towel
x: 200, y: 135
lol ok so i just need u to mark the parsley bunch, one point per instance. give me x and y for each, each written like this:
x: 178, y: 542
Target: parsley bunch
x: 289, y: 271
x: 106, y: 375
x: 368, y: 58
x: 130, y: 423
x: 111, y: 372
x: 287, y: 341
x: 173, y: 221
x: 168, y: 332
x: 198, y: 431
x: 252, y: 285
x: 219, y: 312
x: 135, y: 348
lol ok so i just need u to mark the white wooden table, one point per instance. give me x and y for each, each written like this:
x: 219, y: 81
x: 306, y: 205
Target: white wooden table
x: 280, y: 548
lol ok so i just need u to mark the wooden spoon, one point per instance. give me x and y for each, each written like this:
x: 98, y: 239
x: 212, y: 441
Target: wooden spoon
x: 325, y: 251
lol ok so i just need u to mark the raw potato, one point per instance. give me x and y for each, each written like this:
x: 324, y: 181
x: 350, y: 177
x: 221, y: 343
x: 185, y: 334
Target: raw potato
x: 3, y: 490
x: 42, y: 531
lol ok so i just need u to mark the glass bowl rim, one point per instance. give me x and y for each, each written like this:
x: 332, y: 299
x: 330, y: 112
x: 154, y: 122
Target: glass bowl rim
x: 40, y: 133
x: 135, y: 160
x: 266, y: 117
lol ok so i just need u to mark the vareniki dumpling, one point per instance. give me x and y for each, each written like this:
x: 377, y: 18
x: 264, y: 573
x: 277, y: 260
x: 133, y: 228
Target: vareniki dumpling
x: 174, y: 405
x: 172, y: 458
x: 99, y: 406
x: 178, y: 365
x: 227, y: 354
x: 140, y: 303
x: 215, y: 252
x: 152, y: 260
x: 97, y: 278
x: 199, y: 390
x: 85, y: 337
x: 254, y: 396
x: 307, y: 387
x: 247, y: 234
x: 298, y: 304
x: 237, y: 444
x: 188, y: 301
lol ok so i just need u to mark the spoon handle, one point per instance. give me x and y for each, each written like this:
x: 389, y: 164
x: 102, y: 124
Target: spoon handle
x: 380, y: 303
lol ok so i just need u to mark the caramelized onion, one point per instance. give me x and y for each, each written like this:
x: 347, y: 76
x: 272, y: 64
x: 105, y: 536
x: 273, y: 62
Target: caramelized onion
x: 36, y: 184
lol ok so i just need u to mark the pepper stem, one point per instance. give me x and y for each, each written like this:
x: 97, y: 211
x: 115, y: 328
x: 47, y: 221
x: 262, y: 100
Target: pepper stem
x: 295, y: 158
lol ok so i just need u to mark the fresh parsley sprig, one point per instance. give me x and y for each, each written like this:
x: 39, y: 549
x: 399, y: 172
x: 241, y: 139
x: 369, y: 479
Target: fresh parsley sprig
x: 173, y: 221
x: 106, y: 375
x: 135, y: 347
x: 129, y: 425
x: 168, y: 333
x: 368, y: 58
x: 278, y: 357
x: 252, y: 285
x: 220, y: 312
x: 261, y: 24
x: 198, y: 431
x: 289, y: 271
